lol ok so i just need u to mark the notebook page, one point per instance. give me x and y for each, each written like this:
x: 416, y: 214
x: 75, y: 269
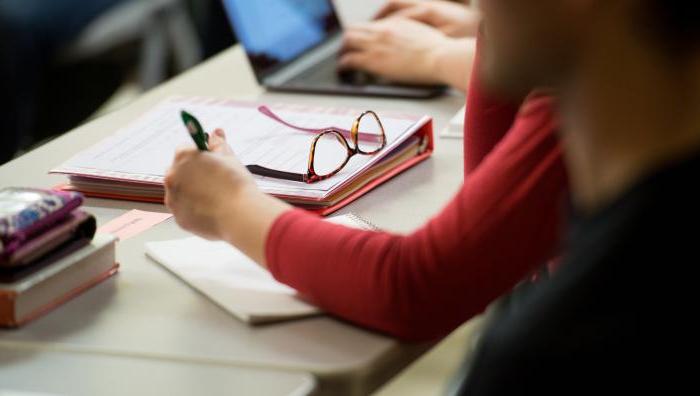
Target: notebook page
x: 143, y: 151
x: 232, y: 280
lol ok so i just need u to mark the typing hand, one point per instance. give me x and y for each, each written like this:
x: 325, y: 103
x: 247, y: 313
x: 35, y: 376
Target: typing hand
x: 397, y: 49
x: 200, y: 187
x: 453, y: 19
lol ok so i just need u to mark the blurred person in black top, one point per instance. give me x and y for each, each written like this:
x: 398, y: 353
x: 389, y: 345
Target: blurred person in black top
x: 615, y: 316
x: 31, y: 33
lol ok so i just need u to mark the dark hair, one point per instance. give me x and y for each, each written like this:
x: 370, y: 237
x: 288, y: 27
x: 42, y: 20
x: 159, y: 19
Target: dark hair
x: 676, y: 23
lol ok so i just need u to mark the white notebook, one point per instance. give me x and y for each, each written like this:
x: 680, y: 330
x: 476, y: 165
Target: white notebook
x: 232, y: 280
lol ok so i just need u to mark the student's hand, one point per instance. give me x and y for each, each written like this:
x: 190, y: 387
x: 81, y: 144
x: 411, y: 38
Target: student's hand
x: 217, y: 142
x: 406, y: 51
x: 200, y: 186
x: 213, y: 195
x: 453, y: 19
x: 398, y: 49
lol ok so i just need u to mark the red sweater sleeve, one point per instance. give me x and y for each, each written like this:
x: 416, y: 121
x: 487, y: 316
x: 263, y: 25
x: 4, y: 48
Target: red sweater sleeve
x: 501, y: 225
x: 487, y: 121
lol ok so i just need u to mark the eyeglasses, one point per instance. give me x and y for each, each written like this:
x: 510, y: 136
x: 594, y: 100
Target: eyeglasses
x: 330, y: 149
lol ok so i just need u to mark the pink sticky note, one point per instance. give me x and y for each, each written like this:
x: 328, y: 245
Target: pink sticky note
x: 133, y: 223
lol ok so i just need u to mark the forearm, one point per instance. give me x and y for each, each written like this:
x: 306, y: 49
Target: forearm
x: 247, y: 222
x: 422, y: 286
x: 453, y: 62
x: 502, y: 224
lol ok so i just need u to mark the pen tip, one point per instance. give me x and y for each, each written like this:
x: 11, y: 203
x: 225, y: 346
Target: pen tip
x: 186, y: 117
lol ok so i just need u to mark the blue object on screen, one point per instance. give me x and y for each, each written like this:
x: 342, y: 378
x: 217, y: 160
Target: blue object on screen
x: 274, y: 32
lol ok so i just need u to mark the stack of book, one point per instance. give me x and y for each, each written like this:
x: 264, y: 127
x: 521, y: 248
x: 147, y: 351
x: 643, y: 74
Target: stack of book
x: 49, y: 252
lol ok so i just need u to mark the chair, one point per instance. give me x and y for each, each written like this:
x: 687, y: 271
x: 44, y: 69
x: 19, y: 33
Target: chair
x: 160, y: 27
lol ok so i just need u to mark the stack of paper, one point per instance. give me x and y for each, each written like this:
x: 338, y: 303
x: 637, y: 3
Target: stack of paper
x: 132, y: 163
x: 456, y: 127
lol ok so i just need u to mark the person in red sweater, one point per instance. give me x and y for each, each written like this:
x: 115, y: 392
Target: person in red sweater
x: 502, y: 225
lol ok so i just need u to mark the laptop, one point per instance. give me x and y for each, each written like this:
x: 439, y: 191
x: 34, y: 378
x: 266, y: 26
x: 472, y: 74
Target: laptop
x: 293, y: 45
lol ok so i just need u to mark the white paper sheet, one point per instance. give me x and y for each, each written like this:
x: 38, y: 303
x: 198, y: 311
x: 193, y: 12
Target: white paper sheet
x: 456, y: 127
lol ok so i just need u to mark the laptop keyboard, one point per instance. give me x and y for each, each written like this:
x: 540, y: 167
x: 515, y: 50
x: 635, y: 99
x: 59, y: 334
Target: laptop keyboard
x: 326, y: 72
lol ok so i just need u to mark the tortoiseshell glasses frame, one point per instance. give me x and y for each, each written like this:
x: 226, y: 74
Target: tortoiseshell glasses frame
x: 352, y: 148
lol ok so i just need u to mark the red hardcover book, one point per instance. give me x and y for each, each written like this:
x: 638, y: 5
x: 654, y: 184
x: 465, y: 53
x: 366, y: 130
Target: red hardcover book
x: 31, y: 291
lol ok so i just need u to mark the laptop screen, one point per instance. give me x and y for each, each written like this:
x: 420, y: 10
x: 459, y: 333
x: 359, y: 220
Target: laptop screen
x: 274, y: 32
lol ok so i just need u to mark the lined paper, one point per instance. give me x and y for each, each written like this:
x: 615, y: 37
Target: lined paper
x: 144, y: 150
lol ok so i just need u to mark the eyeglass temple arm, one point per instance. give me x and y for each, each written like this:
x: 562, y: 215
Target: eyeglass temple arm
x: 368, y: 137
x: 277, y: 174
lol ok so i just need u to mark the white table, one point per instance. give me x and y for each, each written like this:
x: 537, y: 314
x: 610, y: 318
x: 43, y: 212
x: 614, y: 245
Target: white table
x: 77, y: 374
x: 146, y: 312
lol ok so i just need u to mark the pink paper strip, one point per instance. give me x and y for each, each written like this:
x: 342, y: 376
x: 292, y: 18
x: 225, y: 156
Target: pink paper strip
x: 133, y: 223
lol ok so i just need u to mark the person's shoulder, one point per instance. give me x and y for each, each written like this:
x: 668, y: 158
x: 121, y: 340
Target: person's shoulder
x: 537, y: 117
x: 540, y: 102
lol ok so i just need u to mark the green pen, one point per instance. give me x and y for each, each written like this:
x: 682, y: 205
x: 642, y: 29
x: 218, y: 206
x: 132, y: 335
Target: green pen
x: 196, y: 131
